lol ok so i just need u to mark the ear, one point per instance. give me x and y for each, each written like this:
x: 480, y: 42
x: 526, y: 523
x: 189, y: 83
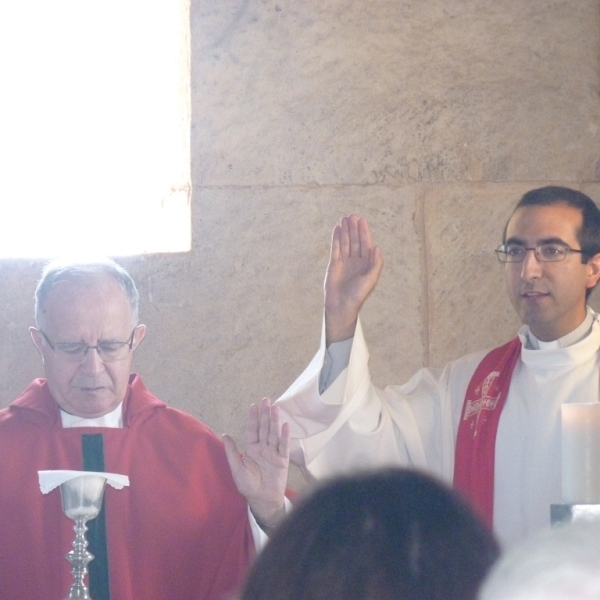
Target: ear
x: 593, y: 265
x: 138, y: 336
x: 36, y: 338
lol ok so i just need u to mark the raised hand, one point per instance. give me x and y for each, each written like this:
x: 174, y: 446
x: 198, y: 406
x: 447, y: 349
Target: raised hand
x: 261, y: 473
x: 353, y: 271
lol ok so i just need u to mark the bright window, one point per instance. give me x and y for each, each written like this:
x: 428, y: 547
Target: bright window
x: 94, y: 127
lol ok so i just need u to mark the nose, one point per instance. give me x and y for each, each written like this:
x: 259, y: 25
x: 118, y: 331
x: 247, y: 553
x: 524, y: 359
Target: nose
x: 531, y: 267
x: 92, y: 364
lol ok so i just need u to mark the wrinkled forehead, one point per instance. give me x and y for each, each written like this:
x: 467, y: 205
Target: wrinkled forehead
x: 98, y: 299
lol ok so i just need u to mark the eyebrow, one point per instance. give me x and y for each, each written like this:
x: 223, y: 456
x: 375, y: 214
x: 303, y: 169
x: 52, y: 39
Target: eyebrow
x: 551, y: 240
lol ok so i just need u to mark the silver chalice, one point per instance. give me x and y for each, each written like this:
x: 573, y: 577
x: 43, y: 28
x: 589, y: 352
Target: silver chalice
x: 81, y: 501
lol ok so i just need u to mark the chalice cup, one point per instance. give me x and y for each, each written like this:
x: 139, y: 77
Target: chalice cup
x: 81, y: 501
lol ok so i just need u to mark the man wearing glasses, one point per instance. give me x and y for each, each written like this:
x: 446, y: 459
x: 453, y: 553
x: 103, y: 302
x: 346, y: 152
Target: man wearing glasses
x: 488, y: 422
x: 181, y: 529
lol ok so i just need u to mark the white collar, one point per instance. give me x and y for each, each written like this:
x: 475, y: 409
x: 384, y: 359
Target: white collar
x: 578, y: 334
x: 578, y: 350
x: 112, y: 419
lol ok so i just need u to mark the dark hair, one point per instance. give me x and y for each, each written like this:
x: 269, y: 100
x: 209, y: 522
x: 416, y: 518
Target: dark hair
x: 61, y: 270
x: 394, y: 534
x: 589, y: 234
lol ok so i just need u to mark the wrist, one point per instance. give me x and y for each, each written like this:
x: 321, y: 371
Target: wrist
x: 268, y: 519
x: 339, y: 327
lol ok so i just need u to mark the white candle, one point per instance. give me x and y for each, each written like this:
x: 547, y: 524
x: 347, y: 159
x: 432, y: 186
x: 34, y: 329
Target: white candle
x: 581, y: 453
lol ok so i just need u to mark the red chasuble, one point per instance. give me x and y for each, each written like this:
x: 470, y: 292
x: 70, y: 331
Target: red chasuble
x: 476, y: 440
x: 180, y: 531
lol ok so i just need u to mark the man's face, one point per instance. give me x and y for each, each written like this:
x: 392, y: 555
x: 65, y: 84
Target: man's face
x: 549, y: 296
x: 89, y: 313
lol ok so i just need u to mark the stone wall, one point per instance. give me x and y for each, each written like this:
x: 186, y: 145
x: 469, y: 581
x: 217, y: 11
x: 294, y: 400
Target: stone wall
x: 429, y: 118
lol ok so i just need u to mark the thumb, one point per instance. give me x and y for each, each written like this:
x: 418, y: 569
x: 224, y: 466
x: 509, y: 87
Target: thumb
x: 234, y: 458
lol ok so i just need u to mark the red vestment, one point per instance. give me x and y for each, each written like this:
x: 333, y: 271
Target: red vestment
x: 180, y: 531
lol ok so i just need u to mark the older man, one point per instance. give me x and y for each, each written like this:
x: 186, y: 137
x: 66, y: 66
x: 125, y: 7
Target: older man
x: 181, y: 529
x: 489, y: 422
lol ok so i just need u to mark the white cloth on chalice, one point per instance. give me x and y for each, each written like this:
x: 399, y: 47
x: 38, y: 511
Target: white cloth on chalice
x: 52, y: 479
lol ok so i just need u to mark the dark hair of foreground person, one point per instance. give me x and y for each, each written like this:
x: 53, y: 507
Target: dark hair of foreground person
x: 391, y: 534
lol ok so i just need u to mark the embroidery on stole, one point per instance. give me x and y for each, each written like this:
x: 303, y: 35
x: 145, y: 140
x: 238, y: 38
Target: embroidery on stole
x: 476, y: 439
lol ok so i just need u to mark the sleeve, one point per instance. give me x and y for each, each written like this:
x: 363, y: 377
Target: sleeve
x: 355, y: 425
x: 337, y: 357
x: 259, y: 535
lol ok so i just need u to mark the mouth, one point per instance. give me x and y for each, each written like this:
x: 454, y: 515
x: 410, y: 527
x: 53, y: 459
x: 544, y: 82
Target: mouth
x: 533, y: 296
x: 91, y: 390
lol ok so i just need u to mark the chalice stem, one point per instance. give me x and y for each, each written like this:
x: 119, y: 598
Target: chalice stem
x: 79, y: 558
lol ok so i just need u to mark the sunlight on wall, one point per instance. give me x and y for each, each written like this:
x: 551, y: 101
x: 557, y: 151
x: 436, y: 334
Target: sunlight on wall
x: 94, y: 127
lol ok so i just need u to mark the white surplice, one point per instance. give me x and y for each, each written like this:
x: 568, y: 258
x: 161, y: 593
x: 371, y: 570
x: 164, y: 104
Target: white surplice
x: 355, y: 425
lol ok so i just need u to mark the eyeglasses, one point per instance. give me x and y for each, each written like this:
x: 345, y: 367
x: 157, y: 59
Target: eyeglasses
x: 107, y: 351
x: 514, y: 253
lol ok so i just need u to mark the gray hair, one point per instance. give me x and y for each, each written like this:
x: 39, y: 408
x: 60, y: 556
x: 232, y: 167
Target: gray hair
x: 63, y: 270
x: 562, y: 564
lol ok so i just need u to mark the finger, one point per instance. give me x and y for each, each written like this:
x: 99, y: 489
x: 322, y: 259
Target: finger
x: 344, y: 238
x: 354, y: 235
x: 252, y: 425
x: 265, y: 421
x: 366, y: 243
x: 274, y: 436
x: 336, y: 250
x: 377, y: 260
x: 285, y: 441
x: 234, y: 458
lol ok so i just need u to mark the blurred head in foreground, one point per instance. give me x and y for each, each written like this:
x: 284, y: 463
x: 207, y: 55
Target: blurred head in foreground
x: 392, y: 534
x: 560, y: 564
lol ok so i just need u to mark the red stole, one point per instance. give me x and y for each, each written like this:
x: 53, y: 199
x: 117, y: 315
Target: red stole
x: 476, y: 441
